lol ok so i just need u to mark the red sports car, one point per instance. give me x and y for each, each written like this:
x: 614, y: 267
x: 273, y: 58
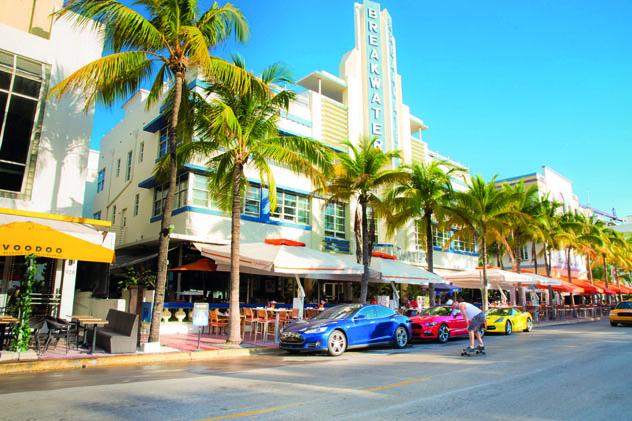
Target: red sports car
x: 439, y: 323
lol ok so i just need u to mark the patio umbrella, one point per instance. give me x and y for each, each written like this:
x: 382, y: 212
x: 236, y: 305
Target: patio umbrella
x: 200, y: 265
x: 284, y: 259
x: 497, y: 278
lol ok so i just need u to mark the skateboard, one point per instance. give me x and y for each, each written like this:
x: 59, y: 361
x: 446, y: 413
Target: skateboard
x: 468, y: 352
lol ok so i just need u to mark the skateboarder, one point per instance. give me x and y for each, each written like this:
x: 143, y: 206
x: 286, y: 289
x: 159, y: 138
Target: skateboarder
x: 475, y: 319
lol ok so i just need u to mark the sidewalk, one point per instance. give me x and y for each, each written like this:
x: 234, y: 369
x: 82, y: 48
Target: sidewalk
x: 174, y: 348
x: 549, y: 323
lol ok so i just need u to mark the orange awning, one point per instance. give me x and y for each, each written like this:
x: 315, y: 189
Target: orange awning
x: 200, y: 265
x: 608, y: 290
x: 588, y: 287
x: 565, y: 287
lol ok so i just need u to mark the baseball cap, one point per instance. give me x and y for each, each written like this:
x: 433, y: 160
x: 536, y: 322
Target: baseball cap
x: 449, y: 302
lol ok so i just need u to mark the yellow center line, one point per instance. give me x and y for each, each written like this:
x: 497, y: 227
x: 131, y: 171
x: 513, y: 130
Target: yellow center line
x: 252, y: 413
x: 403, y: 383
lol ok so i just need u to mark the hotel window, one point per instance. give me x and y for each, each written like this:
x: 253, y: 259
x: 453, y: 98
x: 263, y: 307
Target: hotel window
x: 20, y: 92
x: 118, y: 167
x: 128, y: 167
x: 141, y: 152
x: 163, y: 142
x: 335, y: 220
x: 524, y: 253
x: 252, y: 203
x: 200, y: 191
x: 160, y: 195
x: 96, y: 215
x: 462, y: 245
x: 440, y: 238
x: 113, y: 214
x: 372, y: 219
x: 292, y: 207
x: 136, y: 203
x: 101, y: 180
x: 420, y: 237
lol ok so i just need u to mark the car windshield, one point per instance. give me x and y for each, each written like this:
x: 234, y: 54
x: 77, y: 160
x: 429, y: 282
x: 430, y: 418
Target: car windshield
x: 499, y: 312
x: 437, y: 311
x: 337, y: 312
x: 627, y: 305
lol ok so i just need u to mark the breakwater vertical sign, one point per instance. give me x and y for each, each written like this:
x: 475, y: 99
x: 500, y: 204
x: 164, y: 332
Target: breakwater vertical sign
x: 375, y: 77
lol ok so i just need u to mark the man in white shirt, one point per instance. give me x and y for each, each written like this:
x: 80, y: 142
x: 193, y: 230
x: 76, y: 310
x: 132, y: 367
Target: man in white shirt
x: 475, y: 319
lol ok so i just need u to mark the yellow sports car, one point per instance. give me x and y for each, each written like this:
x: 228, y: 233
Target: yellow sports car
x: 507, y: 320
x: 621, y: 314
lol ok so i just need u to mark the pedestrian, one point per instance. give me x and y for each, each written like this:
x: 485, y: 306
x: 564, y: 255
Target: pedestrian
x: 475, y: 319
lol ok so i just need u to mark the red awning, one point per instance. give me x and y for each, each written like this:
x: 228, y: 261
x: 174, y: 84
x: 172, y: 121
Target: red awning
x: 564, y: 287
x: 283, y: 242
x: 588, y: 287
x: 608, y: 290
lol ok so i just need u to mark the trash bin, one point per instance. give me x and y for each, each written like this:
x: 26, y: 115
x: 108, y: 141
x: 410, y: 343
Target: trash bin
x: 146, y: 316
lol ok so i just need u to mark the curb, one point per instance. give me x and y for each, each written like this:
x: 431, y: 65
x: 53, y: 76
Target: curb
x: 127, y: 360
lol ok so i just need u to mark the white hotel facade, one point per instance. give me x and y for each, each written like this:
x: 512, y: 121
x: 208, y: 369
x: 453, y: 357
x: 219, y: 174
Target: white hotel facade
x: 365, y: 99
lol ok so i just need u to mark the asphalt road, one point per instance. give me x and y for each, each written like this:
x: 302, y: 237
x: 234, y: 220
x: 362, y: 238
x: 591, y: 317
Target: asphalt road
x: 578, y: 372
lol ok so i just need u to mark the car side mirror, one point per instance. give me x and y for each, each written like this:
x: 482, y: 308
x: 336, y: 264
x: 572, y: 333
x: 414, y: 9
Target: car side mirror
x: 360, y: 317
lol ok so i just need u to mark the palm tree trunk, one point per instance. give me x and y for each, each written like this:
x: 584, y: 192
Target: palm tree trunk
x: 605, y: 270
x: 589, y: 268
x: 484, y: 286
x: 234, y: 336
x: 568, y: 269
x: 547, y: 259
x: 163, y: 240
x: 429, y: 253
x: 535, y: 257
x: 364, y: 284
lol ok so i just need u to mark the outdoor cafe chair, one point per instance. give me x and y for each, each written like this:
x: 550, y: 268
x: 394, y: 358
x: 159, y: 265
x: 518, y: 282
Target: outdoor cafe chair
x: 263, y: 321
x: 294, y: 314
x: 61, y: 329
x: 215, y: 322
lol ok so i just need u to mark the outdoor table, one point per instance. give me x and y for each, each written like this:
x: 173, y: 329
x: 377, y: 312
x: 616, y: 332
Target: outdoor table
x: 95, y: 322
x: 5, y: 321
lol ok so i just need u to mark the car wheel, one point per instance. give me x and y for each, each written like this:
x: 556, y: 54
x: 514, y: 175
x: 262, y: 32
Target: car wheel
x: 401, y: 337
x: 337, y: 343
x: 614, y: 324
x: 508, y: 328
x: 529, y: 327
x: 444, y: 334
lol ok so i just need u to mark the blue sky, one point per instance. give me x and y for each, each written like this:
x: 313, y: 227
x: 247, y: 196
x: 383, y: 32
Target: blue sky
x: 505, y: 86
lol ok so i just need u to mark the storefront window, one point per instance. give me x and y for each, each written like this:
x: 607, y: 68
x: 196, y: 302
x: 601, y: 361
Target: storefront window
x: 292, y: 207
x: 335, y: 220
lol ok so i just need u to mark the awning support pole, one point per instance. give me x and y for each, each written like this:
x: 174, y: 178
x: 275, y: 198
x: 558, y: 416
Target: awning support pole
x: 395, y: 295
x: 301, y: 296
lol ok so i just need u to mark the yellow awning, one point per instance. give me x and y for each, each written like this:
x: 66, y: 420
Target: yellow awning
x: 24, y: 235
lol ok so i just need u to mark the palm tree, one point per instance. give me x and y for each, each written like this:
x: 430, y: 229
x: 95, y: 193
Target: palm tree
x: 159, y: 49
x: 362, y: 175
x: 422, y: 197
x: 486, y: 212
x: 521, y: 229
x: 239, y: 131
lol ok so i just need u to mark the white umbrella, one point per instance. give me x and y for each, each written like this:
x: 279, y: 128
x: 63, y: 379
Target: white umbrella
x: 282, y: 259
x: 496, y: 278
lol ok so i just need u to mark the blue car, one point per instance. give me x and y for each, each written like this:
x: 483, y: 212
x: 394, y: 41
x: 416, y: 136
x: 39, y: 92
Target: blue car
x: 347, y: 326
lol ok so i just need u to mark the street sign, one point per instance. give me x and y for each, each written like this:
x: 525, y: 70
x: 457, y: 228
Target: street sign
x: 200, y: 314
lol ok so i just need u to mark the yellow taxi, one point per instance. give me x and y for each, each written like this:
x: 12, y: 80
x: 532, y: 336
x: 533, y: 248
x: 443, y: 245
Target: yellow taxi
x: 621, y: 314
x: 507, y: 320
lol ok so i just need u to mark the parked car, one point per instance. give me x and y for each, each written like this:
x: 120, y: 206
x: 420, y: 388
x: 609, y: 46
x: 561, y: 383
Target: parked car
x: 439, y: 323
x: 508, y: 320
x: 621, y: 314
x: 347, y: 326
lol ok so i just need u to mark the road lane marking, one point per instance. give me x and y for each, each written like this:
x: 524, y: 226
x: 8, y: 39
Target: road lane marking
x: 399, y: 384
x: 252, y: 413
